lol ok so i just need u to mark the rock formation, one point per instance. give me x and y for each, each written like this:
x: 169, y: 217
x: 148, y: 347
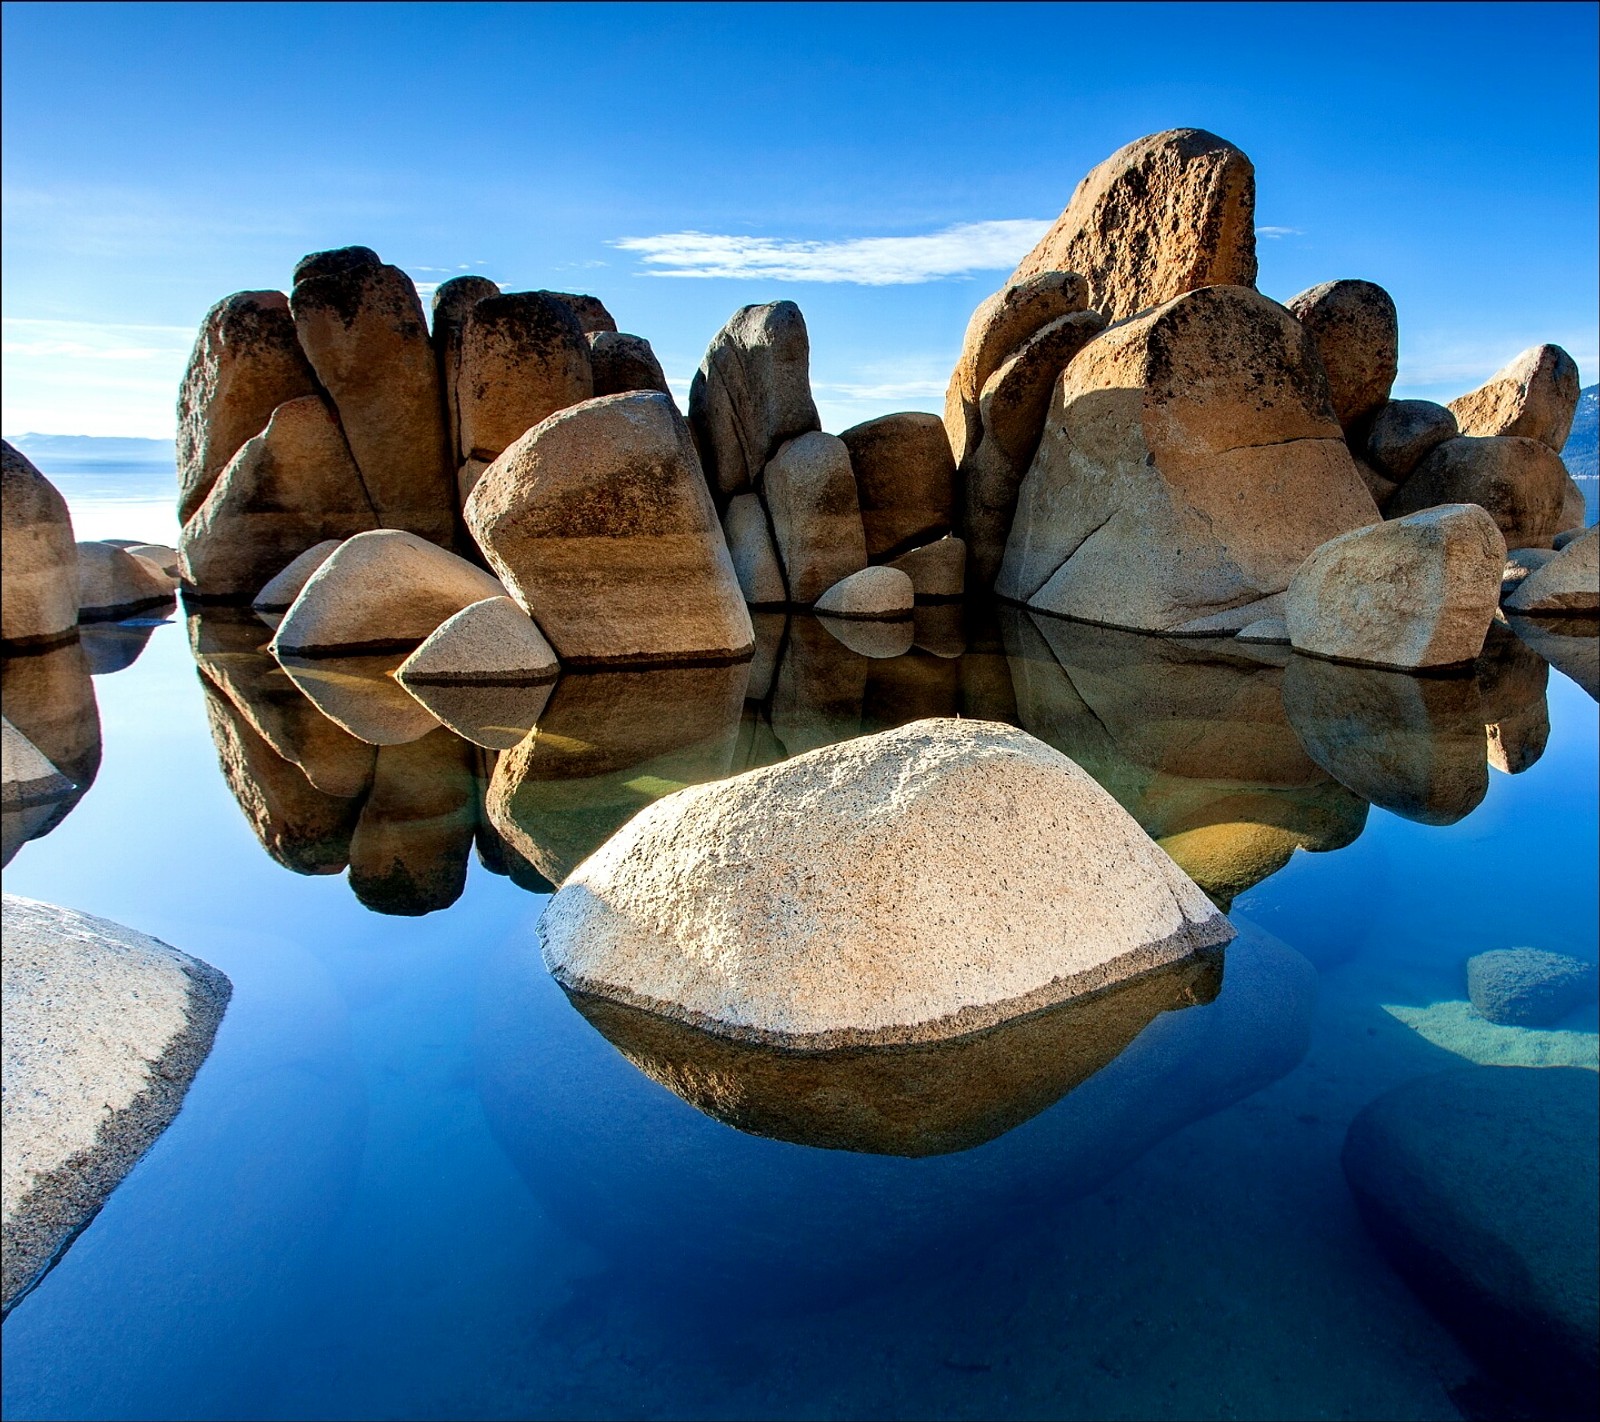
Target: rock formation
x: 809, y: 491
x: 113, y: 584
x: 280, y: 591
x: 905, y: 481
x: 493, y: 641
x: 453, y: 300
x: 1567, y: 582
x: 1357, y: 335
x: 1528, y: 987
x: 1521, y: 482
x: 874, y: 594
x: 523, y: 357
x: 755, y: 559
x: 1404, y: 433
x: 38, y: 557
x: 622, y: 363
x: 1534, y: 397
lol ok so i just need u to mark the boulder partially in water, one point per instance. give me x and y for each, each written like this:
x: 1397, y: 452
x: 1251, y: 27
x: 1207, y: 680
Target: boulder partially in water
x: 488, y: 642
x: 877, y: 594
x: 105, y: 1029
x: 280, y: 591
x: 906, y: 887
x: 113, y: 584
x: 1535, y: 396
x: 1528, y: 987
x: 1479, y: 1185
x: 1568, y: 581
x: 38, y: 557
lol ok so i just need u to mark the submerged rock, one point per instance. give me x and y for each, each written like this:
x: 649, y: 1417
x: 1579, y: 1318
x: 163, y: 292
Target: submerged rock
x: 1528, y: 987
x: 1479, y: 1184
x: 105, y: 1029
x: 38, y: 557
x: 786, y: 921
x: 1535, y: 396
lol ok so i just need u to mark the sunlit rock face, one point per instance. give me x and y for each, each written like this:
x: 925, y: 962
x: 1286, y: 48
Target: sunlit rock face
x: 1534, y: 397
x: 38, y: 557
x: 872, y: 892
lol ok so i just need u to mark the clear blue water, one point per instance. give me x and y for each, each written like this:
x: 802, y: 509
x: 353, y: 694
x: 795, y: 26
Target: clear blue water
x: 413, y: 1181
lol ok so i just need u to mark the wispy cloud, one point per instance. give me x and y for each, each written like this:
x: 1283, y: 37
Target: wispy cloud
x: 1276, y: 232
x: 87, y: 340
x: 864, y: 261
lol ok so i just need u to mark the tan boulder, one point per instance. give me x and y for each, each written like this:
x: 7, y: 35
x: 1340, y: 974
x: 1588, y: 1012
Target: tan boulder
x: 380, y: 590
x: 905, y: 480
x: 113, y: 584
x: 997, y: 328
x: 874, y: 594
x: 247, y: 360
x: 590, y: 311
x: 453, y: 300
x: 493, y: 641
x: 1521, y: 482
x: 1573, y: 509
x: 809, y: 491
x: 1013, y: 401
x: 1418, y: 591
x: 290, y: 487
x: 622, y: 363
x: 523, y: 357
x: 600, y: 524
x: 1404, y: 433
x: 163, y: 555
x: 751, y: 394
x: 362, y: 326
x: 772, y: 907
x: 1165, y: 215
x: 1380, y: 486
x: 1535, y: 397
x: 1520, y: 562
x: 1357, y: 334
x: 280, y: 591
x: 755, y: 559
x: 936, y: 570
x: 1569, y: 581
x: 1190, y: 462
x: 38, y: 557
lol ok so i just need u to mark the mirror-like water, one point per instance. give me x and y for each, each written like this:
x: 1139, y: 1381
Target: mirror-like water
x: 414, y: 1179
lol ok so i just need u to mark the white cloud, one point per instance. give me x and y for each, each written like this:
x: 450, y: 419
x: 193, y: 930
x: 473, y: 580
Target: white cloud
x: 85, y: 377
x: 864, y: 261
x: 1276, y: 232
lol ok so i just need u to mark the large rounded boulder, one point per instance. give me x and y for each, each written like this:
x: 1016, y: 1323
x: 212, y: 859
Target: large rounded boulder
x: 38, y: 557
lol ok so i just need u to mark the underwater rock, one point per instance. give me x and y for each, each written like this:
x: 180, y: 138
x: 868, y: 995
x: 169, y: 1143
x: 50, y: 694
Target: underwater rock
x: 1357, y: 334
x: 105, y: 1029
x: 113, y: 584
x: 1567, y: 582
x: 820, y: 684
x: 771, y: 907
x: 489, y: 641
x: 810, y: 495
x: 38, y: 558
x: 523, y: 357
x: 1528, y: 987
x: 1479, y: 1185
x: 1535, y: 397
x: 905, y: 480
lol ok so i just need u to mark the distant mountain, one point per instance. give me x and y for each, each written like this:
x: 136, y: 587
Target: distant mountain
x: 1579, y: 453
x: 94, y: 449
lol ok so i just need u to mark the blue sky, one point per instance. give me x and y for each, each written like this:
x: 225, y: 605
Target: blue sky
x: 884, y: 166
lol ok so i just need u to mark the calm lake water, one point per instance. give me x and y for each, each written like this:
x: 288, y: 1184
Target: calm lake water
x: 414, y: 1180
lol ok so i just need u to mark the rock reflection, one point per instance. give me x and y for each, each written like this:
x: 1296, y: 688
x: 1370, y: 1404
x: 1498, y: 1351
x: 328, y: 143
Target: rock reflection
x: 1511, y: 679
x: 114, y: 646
x: 361, y: 695
x: 1570, y: 644
x: 49, y: 697
x: 926, y: 1099
x: 493, y: 717
x: 608, y: 744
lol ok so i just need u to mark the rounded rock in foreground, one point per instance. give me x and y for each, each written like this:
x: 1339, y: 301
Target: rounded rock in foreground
x: 490, y: 642
x: 280, y: 592
x: 1528, y: 987
x: 912, y: 886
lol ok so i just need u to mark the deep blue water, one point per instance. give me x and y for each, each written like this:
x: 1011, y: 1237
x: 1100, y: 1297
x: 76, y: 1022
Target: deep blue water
x: 413, y: 1181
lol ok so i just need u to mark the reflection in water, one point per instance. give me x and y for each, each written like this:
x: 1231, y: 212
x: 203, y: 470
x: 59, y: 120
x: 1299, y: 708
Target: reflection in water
x: 1570, y: 644
x: 361, y: 695
x: 115, y: 646
x: 918, y: 1100
x: 494, y: 717
x: 49, y: 697
x: 1511, y: 679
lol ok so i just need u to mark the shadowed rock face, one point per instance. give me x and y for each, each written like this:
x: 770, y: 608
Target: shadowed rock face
x: 38, y: 557
x: 905, y: 480
x: 523, y: 357
x: 1521, y: 482
x: 452, y: 301
x: 1357, y: 334
x: 621, y: 363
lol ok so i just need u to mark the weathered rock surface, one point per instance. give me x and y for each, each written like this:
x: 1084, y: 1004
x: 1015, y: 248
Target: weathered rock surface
x: 113, y: 584
x: 1528, y: 987
x: 290, y: 487
x: 785, y: 920
x: 1269, y: 631
x: 1014, y: 399
x: 1165, y: 215
x: 280, y: 591
x: 1418, y: 591
x: 905, y: 481
x: 163, y: 555
x: 1404, y: 433
x: 105, y: 1029
x: 523, y: 357
x: 247, y: 361
x: 1568, y: 581
x: 486, y: 642
x: 452, y: 301
x: 1521, y: 482
x: 936, y: 570
x: 621, y: 363
x: 810, y: 494
x: 1357, y: 333
x: 1535, y: 397
x: 1190, y: 462
x: 590, y: 311
x: 38, y: 557
x: 997, y: 328
x: 600, y: 524
x: 876, y: 593
x: 752, y: 394
x: 1479, y: 1184
x: 361, y: 325
x: 1520, y: 562
x: 379, y: 590
x: 755, y: 559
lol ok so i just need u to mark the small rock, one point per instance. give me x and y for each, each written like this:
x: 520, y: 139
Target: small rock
x: 1405, y: 432
x: 1520, y: 481
x: 1528, y: 987
x: 905, y: 480
x: 810, y: 494
x: 1419, y: 591
x: 936, y: 569
x: 1520, y: 562
x: 755, y: 560
x: 279, y: 593
x: 1567, y: 581
x: 493, y: 641
x: 1268, y: 631
x: 113, y: 584
x: 379, y: 590
x: 622, y: 363
x: 1535, y: 397
x: 38, y: 557
x: 523, y: 357
x: 874, y: 593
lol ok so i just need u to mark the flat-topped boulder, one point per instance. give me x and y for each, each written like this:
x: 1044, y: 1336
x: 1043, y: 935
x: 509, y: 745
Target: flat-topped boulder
x: 1191, y: 461
x: 1418, y: 591
x: 873, y: 892
x: 105, y: 1029
x: 905, y: 481
x: 621, y: 363
x: 1167, y: 214
x: 809, y: 491
x: 38, y: 556
x: 361, y: 325
x: 1404, y: 433
x: 752, y: 394
x: 1535, y: 397
x: 1521, y: 482
x: 247, y: 360
x: 523, y: 357
x: 453, y: 300
x: 1567, y: 582
x: 1357, y: 333
x: 493, y: 641
x: 380, y: 590
x: 601, y: 526
x: 113, y: 584
x: 290, y: 487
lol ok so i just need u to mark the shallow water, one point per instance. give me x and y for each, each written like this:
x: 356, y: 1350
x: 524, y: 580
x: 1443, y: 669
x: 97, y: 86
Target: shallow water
x: 414, y: 1180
